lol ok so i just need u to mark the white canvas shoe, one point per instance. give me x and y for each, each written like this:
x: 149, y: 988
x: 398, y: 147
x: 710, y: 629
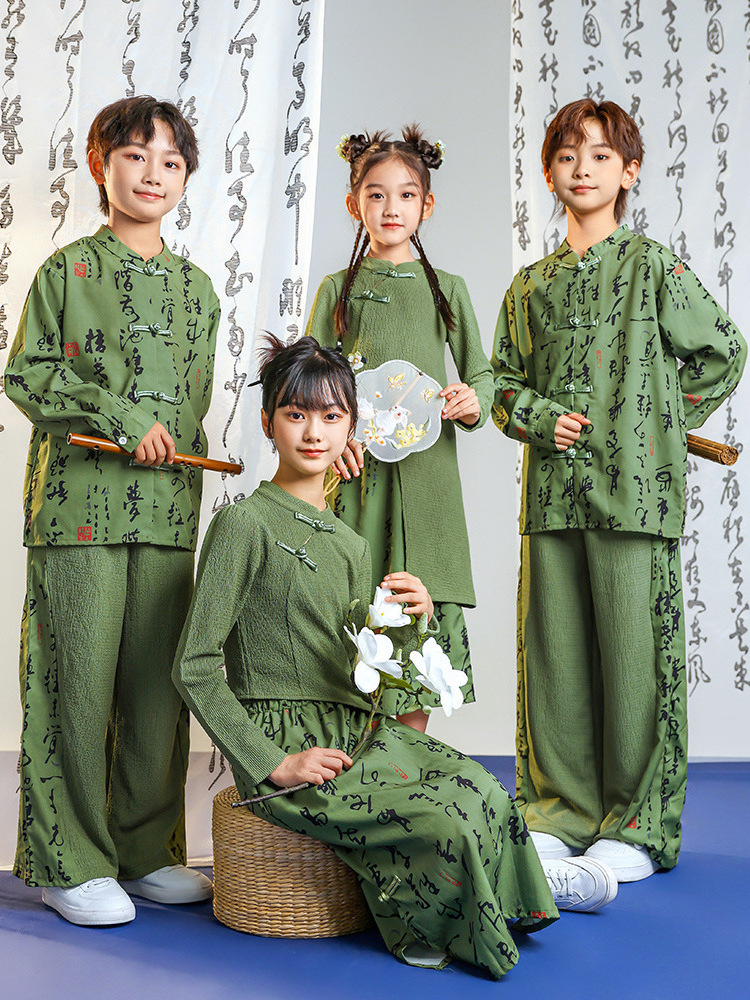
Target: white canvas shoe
x: 100, y: 902
x: 549, y: 846
x: 629, y: 862
x: 172, y: 884
x: 580, y: 884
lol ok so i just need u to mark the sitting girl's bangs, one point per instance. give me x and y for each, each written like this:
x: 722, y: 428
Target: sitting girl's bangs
x: 314, y: 387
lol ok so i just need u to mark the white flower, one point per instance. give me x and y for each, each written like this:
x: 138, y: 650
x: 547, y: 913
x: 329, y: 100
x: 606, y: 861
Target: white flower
x: 438, y: 675
x: 384, y: 614
x: 373, y: 658
x: 355, y: 360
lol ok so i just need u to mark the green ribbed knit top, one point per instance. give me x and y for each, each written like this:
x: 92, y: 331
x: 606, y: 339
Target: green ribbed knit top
x: 277, y: 622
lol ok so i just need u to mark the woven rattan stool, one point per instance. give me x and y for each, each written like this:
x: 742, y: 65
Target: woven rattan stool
x: 272, y: 882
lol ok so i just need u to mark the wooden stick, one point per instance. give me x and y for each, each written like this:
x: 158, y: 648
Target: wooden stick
x: 715, y: 451
x: 272, y: 795
x: 195, y: 461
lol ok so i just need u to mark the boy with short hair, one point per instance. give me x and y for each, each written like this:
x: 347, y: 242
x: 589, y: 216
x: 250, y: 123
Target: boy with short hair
x: 586, y: 362
x: 117, y: 339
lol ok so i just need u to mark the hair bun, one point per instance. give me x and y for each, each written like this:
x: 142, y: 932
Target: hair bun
x: 352, y: 146
x: 431, y: 154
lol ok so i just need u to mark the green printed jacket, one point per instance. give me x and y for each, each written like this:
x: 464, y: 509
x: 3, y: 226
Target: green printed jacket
x: 604, y: 336
x: 107, y: 345
x: 392, y: 314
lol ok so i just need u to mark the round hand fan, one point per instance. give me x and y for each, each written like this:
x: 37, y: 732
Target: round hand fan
x: 399, y: 410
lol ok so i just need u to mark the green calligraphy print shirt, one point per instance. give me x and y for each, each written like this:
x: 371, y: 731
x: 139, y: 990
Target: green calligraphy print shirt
x: 604, y: 335
x: 108, y: 344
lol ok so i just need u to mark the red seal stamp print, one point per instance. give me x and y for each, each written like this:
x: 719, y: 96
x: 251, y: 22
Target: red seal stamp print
x: 72, y: 350
x: 79, y: 270
x: 84, y: 534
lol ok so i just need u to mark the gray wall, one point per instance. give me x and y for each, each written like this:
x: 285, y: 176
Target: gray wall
x: 387, y: 64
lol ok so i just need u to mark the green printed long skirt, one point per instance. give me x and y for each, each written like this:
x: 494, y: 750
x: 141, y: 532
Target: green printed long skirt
x: 442, y: 853
x: 378, y: 516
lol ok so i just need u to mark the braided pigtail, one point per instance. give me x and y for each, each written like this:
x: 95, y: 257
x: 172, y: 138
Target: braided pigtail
x: 442, y: 304
x: 341, y: 311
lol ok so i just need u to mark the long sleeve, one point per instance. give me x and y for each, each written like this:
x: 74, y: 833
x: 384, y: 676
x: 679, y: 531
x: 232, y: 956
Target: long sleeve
x: 47, y: 390
x: 465, y: 344
x: 228, y: 563
x: 519, y: 410
x: 704, y: 338
x: 320, y: 322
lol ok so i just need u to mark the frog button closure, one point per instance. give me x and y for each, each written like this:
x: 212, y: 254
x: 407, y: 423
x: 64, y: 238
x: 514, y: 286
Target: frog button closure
x: 150, y: 269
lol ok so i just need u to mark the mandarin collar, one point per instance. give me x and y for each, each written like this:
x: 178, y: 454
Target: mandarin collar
x: 620, y: 235
x: 276, y: 495
x: 107, y: 239
x: 375, y: 264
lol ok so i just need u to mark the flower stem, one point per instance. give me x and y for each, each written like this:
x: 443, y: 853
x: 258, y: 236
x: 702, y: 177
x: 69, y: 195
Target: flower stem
x: 368, y: 725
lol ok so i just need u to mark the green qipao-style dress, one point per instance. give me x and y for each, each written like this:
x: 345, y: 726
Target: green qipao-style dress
x: 411, y: 512
x: 441, y: 851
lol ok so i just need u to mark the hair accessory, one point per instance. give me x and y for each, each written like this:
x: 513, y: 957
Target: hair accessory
x: 440, y: 147
x: 340, y: 148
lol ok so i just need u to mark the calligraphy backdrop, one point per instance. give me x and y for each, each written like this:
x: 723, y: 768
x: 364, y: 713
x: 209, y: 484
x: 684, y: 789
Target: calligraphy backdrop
x: 247, y: 75
x: 682, y: 69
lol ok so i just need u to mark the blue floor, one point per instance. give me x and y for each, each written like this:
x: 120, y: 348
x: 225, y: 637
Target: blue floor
x: 675, y: 936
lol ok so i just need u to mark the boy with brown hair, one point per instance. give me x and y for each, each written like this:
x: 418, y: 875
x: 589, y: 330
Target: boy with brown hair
x: 117, y: 339
x: 587, y: 356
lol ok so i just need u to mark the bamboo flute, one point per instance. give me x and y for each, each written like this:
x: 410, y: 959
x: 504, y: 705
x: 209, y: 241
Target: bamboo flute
x: 195, y: 461
x: 714, y: 451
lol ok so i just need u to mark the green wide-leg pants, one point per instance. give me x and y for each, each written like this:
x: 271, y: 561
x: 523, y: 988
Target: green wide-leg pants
x: 104, y: 748
x: 602, y: 694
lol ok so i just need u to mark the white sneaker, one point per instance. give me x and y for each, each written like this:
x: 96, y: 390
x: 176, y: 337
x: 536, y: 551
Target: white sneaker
x: 97, y: 903
x: 580, y: 883
x: 549, y: 846
x: 172, y: 884
x: 629, y: 862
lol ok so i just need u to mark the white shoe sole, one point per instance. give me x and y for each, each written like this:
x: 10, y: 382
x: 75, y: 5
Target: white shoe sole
x: 108, y: 917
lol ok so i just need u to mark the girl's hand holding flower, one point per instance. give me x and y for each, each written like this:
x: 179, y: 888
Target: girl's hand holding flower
x: 383, y: 614
x: 462, y: 403
x: 409, y: 591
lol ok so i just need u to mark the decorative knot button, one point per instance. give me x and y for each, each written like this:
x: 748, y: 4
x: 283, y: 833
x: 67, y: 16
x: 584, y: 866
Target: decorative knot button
x: 150, y: 269
x: 574, y: 321
x: 315, y: 523
x: 301, y: 554
x: 371, y: 296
